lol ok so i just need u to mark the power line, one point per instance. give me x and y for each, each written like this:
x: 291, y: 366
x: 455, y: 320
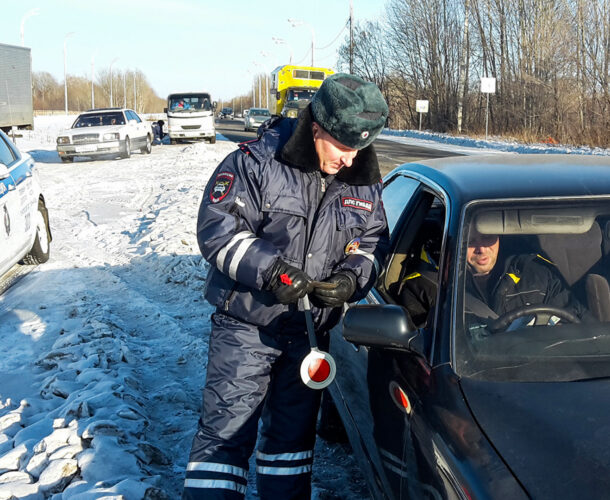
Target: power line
x: 335, y: 39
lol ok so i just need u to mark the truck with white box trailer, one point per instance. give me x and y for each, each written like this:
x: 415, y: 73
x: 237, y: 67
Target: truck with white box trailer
x: 16, y: 108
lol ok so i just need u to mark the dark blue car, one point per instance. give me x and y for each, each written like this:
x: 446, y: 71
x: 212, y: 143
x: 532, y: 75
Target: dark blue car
x: 443, y: 399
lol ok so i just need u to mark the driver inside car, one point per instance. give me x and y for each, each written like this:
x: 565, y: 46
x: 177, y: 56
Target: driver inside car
x: 494, y: 288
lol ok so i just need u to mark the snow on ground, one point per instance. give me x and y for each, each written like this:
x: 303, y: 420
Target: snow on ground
x: 472, y: 146
x: 104, y: 347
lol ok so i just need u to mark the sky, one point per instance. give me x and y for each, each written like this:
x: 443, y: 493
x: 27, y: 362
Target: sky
x: 181, y: 45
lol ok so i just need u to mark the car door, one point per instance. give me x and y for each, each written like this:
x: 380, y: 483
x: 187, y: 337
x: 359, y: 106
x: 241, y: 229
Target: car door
x: 351, y: 389
x: 143, y: 127
x: 136, y: 128
x: 379, y: 387
x: 16, y: 217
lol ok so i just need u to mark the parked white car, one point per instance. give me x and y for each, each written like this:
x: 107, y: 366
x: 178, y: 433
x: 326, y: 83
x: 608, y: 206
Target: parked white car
x: 105, y: 131
x: 25, y: 234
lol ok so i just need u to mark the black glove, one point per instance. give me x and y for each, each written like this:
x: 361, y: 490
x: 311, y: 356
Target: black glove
x: 287, y: 282
x: 346, y: 286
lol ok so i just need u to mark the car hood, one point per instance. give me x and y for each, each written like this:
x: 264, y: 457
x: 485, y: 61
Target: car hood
x: 92, y: 130
x: 555, y: 437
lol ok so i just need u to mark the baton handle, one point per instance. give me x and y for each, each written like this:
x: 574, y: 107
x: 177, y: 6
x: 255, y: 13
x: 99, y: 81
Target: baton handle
x: 309, y: 322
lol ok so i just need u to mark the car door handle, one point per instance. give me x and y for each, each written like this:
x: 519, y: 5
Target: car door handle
x: 12, y: 187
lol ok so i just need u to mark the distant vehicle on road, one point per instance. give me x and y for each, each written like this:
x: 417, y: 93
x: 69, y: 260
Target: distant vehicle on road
x: 227, y: 113
x: 294, y: 86
x: 255, y: 117
x: 190, y: 115
x: 25, y: 234
x: 105, y: 131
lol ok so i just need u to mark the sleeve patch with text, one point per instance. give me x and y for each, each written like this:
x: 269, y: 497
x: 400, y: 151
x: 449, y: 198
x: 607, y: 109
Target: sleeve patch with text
x: 356, y: 203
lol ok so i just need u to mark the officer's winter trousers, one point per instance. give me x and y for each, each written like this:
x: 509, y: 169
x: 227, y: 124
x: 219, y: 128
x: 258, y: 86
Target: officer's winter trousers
x: 253, y: 374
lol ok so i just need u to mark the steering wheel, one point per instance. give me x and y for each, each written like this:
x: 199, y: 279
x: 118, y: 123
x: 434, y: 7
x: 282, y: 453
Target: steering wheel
x: 541, y: 312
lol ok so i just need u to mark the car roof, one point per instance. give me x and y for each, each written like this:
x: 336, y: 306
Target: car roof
x: 102, y: 110
x: 186, y: 94
x: 515, y: 176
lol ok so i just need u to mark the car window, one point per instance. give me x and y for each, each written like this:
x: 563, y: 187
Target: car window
x: 99, y: 120
x: 532, y: 297
x: 299, y: 95
x: 417, y: 286
x: 114, y: 118
x: 88, y: 121
x: 201, y: 102
x: 131, y: 115
x: 397, y: 192
x: 7, y: 157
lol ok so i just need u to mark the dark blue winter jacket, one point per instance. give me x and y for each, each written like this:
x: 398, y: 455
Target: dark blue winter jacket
x: 265, y: 201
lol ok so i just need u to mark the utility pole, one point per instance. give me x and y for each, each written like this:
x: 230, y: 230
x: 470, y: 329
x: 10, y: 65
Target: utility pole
x: 68, y: 35
x: 351, y: 37
x: 92, y: 79
x: 135, y: 98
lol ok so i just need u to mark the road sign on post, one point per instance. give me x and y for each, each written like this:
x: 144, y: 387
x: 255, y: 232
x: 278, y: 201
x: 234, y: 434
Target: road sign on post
x: 488, y: 86
x: 421, y: 106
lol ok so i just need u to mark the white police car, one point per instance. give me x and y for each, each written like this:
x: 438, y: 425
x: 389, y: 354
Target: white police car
x: 24, y: 221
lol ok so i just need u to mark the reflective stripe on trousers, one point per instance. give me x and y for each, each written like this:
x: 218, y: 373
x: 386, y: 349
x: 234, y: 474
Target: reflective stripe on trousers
x: 253, y: 374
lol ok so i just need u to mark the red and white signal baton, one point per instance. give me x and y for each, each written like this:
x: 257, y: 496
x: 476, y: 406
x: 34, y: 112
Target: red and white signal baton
x: 318, y: 369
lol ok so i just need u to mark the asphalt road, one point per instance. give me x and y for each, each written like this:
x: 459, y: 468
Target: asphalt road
x: 389, y: 153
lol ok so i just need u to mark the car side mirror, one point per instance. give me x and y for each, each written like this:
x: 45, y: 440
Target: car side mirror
x: 384, y: 326
x: 4, y: 173
x: 214, y: 105
x: 165, y: 110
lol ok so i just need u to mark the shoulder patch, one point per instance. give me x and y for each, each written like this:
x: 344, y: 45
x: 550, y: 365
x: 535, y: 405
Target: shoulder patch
x: 357, y: 203
x: 222, y: 186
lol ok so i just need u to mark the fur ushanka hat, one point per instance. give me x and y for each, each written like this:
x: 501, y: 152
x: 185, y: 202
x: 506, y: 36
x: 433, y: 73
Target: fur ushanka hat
x: 350, y: 109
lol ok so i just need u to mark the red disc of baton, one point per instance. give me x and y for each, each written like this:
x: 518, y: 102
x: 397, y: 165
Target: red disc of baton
x: 318, y: 369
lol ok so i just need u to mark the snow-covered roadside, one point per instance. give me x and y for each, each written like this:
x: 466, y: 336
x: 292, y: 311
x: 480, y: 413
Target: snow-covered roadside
x: 104, y: 347
x: 471, y: 146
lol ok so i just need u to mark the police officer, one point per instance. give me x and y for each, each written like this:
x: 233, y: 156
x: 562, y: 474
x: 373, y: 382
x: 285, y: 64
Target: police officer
x: 301, y: 203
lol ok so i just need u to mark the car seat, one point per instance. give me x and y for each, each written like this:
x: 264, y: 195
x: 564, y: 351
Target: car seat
x: 579, y: 259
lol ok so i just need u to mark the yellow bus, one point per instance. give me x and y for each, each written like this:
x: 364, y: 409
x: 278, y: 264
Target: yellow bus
x: 294, y: 86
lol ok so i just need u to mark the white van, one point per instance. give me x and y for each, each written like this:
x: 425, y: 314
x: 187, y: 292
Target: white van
x: 190, y: 115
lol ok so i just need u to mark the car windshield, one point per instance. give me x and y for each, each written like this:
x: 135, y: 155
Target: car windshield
x: 532, y: 297
x: 300, y: 95
x: 190, y: 102
x: 259, y: 112
x: 99, y: 119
